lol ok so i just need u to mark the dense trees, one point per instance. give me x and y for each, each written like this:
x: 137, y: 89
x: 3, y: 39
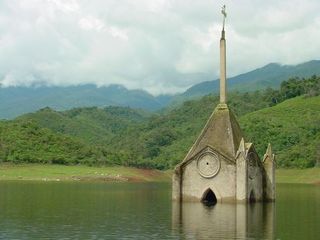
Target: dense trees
x: 27, y: 142
x: 294, y: 87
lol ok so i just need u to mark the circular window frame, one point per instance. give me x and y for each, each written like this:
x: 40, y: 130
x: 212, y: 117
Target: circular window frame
x: 218, y: 163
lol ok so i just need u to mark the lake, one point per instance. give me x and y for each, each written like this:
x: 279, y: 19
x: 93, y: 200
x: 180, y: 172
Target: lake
x: 78, y: 210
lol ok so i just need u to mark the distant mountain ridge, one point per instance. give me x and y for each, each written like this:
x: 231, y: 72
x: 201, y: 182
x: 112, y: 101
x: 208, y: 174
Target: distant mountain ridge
x: 15, y: 101
x: 271, y: 75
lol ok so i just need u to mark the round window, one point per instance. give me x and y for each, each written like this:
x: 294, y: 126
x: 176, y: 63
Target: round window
x: 208, y: 164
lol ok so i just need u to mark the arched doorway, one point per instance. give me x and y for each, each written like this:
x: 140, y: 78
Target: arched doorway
x: 209, y: 198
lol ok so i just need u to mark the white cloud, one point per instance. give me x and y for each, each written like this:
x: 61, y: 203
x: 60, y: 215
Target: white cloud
x: 89, y: 23
x: 157, y: 5
x: 66, y: 5
x: 159, y: 45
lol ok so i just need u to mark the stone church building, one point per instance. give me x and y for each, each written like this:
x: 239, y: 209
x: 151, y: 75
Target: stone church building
x: 221, y: 166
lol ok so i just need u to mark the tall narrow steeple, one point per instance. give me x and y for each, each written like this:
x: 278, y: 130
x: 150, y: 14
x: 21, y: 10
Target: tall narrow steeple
x: 223, y: 68
x: 221, y: 161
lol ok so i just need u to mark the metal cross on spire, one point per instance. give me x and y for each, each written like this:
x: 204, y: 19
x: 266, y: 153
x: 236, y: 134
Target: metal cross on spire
x: 224, y: 13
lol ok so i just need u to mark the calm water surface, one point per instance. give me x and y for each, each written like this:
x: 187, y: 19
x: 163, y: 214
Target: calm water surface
x: 56, y: 210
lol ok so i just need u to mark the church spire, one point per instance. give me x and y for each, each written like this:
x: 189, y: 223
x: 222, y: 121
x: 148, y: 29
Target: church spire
x: 223, y: 70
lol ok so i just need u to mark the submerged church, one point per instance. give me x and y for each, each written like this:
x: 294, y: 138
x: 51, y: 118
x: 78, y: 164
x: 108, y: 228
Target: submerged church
x: 221, y: 166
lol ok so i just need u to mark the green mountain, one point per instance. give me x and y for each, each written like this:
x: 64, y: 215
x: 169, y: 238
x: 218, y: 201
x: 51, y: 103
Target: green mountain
x: 15, y: 101
x: 270, y: 75
x: 289, y: 118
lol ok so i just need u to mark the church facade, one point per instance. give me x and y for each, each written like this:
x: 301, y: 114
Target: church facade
x: 221, y: 166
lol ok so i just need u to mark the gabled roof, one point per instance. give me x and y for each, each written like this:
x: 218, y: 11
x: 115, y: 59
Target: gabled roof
x: 222, y: 132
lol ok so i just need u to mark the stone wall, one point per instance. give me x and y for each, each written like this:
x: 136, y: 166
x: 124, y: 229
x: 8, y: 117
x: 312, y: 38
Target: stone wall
x: 223, y: 184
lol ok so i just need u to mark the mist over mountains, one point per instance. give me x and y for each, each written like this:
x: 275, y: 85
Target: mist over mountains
x: 15, y: 101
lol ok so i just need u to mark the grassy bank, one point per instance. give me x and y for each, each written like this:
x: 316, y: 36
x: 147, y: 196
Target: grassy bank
x: 84, y: 173
x: 79, y: 173
x: 309, y: 175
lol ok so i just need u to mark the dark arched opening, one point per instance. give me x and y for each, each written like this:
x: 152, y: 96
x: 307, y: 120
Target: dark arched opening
x: 209, y: 198
x: 252, y: 198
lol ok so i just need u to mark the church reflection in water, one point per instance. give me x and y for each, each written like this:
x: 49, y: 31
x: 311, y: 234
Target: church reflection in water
x: 224, y: 221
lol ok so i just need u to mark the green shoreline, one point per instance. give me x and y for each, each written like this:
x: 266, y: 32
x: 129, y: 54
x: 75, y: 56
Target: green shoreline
x: 38, y: 172
x: 46, y: 172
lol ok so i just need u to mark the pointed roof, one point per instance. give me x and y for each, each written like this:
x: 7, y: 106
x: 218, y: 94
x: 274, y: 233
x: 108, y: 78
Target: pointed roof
x: 269, y: 150
x: 242, y: 148
x: 222, y: 133
x: 268, y: 156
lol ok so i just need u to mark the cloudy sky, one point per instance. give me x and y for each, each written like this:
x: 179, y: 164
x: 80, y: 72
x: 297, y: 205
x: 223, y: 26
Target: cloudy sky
x: 162, y: 46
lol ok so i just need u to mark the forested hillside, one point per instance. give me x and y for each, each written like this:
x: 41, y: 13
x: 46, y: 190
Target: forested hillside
x: 289, y: 118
